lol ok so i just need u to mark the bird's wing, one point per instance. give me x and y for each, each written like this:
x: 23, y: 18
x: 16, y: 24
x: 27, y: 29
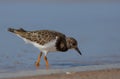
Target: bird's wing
x: 43, y: 36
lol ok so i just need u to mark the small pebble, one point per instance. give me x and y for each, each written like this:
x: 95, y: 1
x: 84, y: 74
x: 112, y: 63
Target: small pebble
x: 68, y: 73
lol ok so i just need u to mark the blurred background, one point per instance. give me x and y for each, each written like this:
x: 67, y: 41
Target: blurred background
x: 95, y: 25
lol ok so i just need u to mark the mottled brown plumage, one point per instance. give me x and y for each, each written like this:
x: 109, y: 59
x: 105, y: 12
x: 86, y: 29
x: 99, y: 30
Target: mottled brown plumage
x: 40, y: 36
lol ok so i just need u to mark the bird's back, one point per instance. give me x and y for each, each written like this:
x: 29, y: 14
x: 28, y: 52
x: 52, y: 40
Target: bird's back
x: 42, y: 36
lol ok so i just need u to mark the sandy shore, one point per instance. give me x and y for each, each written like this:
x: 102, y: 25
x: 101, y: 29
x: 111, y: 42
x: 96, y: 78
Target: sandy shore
x: 109, y: 71
x: 98, y: 74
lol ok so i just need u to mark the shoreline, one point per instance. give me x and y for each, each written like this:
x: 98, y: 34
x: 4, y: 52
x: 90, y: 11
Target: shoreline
x: 96, y: 74
x: 80, y: 71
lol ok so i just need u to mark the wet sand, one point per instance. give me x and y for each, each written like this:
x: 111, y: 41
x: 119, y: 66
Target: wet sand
x: 108, y: 71
x: 97, y: 74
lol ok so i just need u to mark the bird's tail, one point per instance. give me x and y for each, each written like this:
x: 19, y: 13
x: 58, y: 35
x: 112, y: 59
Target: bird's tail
x: 16, y: 30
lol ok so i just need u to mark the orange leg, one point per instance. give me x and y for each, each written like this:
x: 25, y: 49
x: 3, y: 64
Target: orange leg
x: 46, y: 61
x: 38, y: 60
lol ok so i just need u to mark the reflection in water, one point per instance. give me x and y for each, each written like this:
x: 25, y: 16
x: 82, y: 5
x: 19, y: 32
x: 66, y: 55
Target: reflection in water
x: 94, y: 25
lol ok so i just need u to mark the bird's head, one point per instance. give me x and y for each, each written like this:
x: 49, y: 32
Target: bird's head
x: 72, y: 44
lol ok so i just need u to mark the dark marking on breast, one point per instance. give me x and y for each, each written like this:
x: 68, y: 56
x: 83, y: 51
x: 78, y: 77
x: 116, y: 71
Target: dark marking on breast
x: 61, y: 44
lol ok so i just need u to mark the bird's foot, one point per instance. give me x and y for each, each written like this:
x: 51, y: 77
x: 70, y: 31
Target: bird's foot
x: 37, y: 64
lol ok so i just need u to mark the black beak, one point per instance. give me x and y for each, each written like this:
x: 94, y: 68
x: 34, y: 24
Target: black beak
x: 78, y: 51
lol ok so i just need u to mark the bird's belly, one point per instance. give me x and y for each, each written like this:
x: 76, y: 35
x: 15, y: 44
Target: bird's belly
x: 49, y: 47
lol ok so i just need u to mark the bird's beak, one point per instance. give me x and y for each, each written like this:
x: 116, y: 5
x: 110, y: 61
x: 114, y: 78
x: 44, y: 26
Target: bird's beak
x: 77, y: 49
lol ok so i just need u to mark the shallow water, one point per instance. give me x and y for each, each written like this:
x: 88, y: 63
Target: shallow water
x: 96, y: 26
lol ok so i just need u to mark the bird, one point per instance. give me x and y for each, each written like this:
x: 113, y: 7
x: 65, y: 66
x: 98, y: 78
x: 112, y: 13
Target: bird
x: 47, y: 41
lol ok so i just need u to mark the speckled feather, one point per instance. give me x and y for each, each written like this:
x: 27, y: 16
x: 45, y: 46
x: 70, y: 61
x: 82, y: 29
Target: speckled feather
x: 43, y: 37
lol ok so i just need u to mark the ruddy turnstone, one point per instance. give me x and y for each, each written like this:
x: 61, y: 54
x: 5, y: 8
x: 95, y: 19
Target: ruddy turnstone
x: 47, y: 41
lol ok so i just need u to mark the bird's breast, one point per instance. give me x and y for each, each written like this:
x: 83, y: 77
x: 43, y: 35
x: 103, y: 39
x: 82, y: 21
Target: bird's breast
x: 47, y: 47
x: 61, y: 44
